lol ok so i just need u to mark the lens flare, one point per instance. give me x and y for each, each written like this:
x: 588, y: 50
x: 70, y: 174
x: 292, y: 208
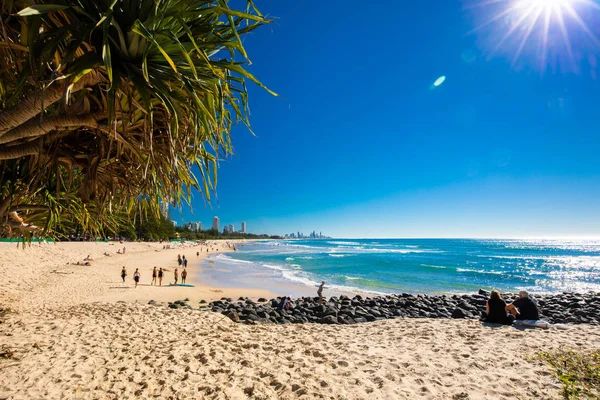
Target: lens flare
x: 439, y: 81
x: 550, y: 31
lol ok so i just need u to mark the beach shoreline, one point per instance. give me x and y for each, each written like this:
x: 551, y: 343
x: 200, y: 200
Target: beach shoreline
x: 71, y: 331
x: 40, y: 267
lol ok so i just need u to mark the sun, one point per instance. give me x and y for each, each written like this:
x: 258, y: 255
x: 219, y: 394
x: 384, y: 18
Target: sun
x: 540, y: 27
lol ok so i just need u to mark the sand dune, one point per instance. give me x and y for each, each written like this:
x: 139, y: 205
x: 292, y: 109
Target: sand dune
x: 72, y: 339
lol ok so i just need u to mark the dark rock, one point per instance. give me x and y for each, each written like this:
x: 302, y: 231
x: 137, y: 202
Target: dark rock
x: 329, y: 319
x: 458, y: 313
x: 234, y: 316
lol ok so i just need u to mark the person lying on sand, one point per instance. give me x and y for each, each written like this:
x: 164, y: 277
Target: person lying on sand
x: 107, y: 254
x: 82, y: 263
x: 524, y: 307
x: 88, y: 258
x: 495, y: 308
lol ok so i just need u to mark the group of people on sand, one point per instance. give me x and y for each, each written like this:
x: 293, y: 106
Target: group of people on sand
x: 158, y: 274
x: 136, y: 275
x: 523, y: 308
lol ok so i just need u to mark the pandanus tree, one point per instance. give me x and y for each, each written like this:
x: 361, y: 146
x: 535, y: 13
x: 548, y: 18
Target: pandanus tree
x: 113, y: 106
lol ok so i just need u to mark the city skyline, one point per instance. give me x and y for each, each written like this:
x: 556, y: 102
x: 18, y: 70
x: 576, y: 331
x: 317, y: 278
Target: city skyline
x: 196, y: 226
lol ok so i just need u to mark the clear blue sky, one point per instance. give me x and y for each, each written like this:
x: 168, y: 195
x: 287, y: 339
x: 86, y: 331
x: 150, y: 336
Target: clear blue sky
x: 360, y: 143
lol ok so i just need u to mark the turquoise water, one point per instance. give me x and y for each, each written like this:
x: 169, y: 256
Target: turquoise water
x: 420, y: 265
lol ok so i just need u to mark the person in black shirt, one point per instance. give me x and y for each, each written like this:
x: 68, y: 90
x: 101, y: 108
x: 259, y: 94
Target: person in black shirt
x: 524, y: 307
x: 496, y: 310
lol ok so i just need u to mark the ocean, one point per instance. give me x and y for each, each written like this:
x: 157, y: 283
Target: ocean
x: 429, y: 266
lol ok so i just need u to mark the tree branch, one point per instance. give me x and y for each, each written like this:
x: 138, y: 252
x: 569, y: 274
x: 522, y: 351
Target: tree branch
x: 34, y: 127
x: 28, y: 207
x: 31, y: 106
x: 27, y: 149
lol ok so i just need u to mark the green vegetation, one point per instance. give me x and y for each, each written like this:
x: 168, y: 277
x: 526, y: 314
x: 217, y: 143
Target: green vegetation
x: 578, y: 371
x: 108, y: 107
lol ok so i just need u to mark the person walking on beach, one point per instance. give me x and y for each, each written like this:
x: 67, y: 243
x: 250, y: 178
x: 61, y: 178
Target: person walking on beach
x: 123, y: 274
x: 184, y: 262
x: 320, y: 292
x: 154, y: 272
x: 160, y: 275
x: 136, y: 277
x: 197, y: 254
x: 183, y: 275
x: 176, y: 276
x: 179, y: 261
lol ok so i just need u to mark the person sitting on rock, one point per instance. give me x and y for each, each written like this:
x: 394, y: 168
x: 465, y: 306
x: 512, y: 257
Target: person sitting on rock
x: 496, y: 310
x: 285, y: 303
x: 524, y: 307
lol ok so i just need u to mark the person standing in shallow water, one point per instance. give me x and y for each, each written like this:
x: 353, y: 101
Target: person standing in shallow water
x: 123, y: 274
x: 154, y: 272
x: 160, y: 276
x: 136, y: 277
x: 320, y: 292
x: 183, y: 275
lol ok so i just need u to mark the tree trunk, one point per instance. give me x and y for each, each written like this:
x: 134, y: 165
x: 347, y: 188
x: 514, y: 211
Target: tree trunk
x: 31, y: 106
x: 34, y: 127
x: 27, y: 149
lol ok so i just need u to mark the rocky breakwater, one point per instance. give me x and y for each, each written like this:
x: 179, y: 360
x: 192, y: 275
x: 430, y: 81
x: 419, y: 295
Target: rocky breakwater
x: 555, y: 308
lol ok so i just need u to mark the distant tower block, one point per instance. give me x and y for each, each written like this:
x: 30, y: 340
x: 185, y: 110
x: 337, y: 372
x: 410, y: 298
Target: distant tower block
x: 216, y: 224
x: 243, y: 227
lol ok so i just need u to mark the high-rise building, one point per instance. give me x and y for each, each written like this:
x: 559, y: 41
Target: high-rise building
x: 195, y: 226
x: 215, y: 225
x: 174, y: 223
x: 164, y: 209
x: 243, y: 227
x: 230, y: 228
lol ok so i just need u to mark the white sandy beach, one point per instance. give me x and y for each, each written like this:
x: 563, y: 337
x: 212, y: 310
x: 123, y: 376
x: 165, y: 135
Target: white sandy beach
x: 77, y: 332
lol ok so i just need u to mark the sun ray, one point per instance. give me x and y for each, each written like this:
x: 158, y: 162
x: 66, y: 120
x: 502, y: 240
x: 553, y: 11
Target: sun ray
x: 527, y: 33
x: 591, y: 3
x: 512, y: 29
x: 563, y: 29
x: 581, y: 23
x: 493, y: 19
x: 514, y: 24
x: 482, y: 4
x: 545, y: 36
